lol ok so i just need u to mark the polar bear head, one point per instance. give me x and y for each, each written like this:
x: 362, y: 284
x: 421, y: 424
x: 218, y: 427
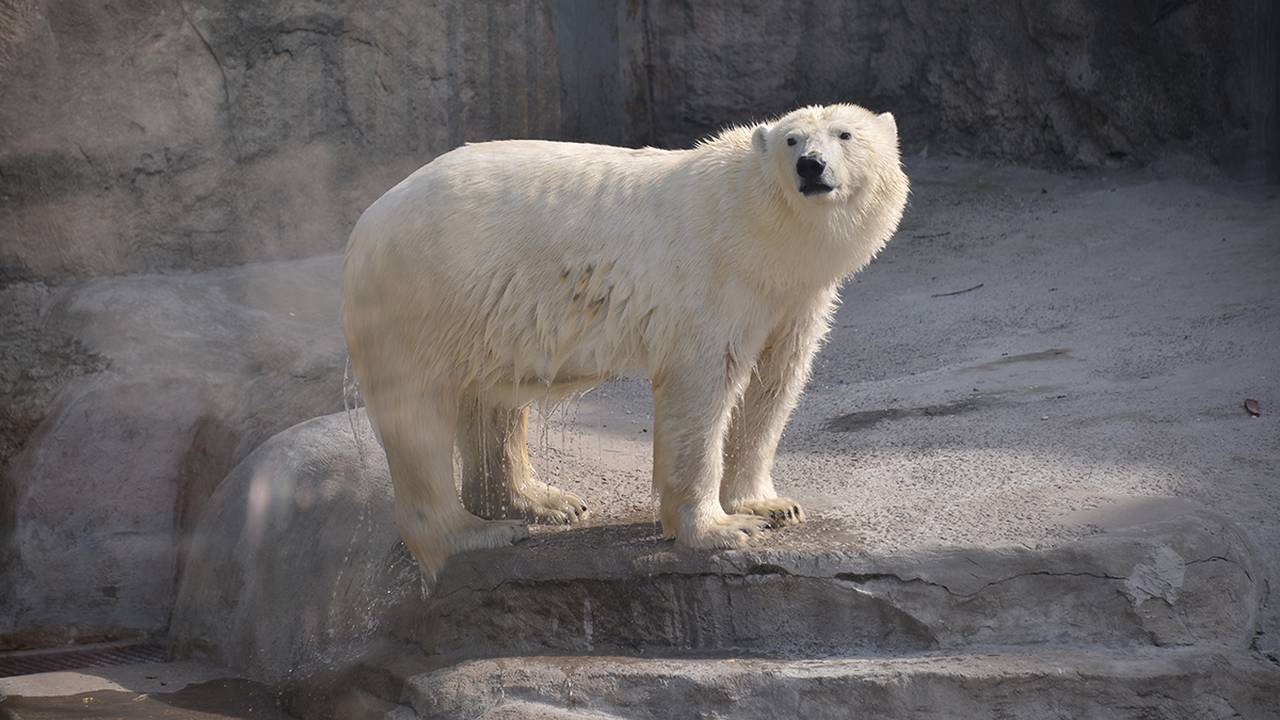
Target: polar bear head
x: 829, y: 154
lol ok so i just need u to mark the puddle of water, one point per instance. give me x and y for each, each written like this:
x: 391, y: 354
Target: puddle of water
x: 214, y: 700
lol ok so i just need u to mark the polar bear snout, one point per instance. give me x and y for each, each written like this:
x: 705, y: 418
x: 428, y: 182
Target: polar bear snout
x: 812, y: 169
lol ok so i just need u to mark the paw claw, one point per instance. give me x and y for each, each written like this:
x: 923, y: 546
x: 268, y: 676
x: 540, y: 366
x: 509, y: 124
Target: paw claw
x: 541, y: 503
x: 731, y: 531
x: 780, y: 512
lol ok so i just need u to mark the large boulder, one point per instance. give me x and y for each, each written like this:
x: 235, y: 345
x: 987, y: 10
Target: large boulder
x: 151, y: 388
x: 296, y: 561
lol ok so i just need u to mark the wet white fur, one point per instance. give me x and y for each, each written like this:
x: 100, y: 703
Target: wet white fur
x: 507, y: 272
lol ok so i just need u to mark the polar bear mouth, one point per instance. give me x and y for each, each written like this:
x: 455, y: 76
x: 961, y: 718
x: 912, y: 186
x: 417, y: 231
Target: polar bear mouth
x: 815, y: 188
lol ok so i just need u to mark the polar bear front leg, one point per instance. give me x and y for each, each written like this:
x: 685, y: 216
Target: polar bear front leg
x: 691, y: 413
x: 497, y: 477
x: 759, y: 418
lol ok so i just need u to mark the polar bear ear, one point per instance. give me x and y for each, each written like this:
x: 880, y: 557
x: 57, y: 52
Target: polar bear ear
x: 759, y: 138
x: 887, y: 122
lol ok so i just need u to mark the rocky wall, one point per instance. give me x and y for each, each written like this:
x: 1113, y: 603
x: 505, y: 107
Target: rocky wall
x: 158, y: 134
x: 155, y: 135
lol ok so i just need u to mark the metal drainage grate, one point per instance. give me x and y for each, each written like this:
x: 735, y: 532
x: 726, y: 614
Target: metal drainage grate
x: 28, y: 662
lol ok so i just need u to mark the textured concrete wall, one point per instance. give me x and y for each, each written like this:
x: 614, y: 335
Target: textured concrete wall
x: 155, y: 135
x: 1079, y: 82
x: 163, y: 134
x: 1260, y: 26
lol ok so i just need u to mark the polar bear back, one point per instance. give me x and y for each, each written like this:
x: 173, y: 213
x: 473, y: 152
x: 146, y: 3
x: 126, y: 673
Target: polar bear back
x: 534, y: 262
x: 545, y: 260
x: 554, y: 197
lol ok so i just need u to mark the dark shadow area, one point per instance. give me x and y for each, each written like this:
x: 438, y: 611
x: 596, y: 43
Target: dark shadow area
x: 868, y: 418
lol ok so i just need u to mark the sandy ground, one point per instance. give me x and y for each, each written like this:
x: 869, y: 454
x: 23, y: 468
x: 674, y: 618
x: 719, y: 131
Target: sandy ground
x: 1109, y: 330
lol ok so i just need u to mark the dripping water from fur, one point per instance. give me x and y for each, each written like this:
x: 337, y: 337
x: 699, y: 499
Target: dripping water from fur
x: 361, y: 433
x: 351, y: 402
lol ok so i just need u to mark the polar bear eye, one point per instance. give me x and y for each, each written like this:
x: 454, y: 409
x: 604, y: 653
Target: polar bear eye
x: 791, y: 141
x: 845, y: 135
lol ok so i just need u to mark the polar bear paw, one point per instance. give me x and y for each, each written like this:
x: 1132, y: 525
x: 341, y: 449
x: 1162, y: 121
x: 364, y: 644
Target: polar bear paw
x: 538, y: 502
x: 729, y: 531
x: 433, y: 548
x: 780, y: 511
x: 487, y: 534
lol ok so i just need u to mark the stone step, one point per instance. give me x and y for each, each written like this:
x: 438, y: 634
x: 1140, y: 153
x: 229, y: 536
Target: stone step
x: 1136, y: 572
x: 1163, y: 575
x: 1046, y: 683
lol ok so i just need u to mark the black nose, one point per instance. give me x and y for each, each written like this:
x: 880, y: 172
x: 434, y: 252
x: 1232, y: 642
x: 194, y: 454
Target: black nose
x: 810, y: 167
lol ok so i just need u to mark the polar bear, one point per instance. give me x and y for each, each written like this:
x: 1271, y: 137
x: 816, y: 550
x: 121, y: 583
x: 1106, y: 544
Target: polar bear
x: 503, y: 273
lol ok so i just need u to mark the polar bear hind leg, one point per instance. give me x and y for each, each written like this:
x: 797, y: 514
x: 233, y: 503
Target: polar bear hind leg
x: 497, y: 478
x: 417, y: 430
